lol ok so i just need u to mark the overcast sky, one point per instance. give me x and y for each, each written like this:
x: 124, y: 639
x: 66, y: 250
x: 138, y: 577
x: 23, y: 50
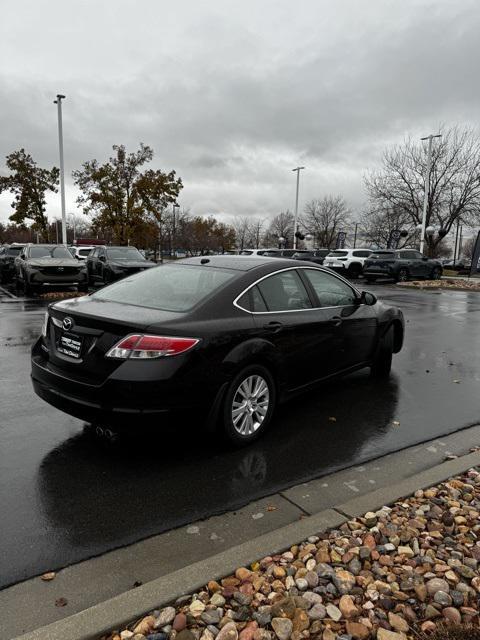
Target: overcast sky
x: 234, y: 94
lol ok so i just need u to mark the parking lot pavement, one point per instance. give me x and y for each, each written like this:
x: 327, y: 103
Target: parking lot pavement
x: 69, y: 497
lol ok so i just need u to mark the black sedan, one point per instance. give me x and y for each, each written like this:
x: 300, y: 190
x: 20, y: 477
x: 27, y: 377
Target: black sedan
x: 107, y: 264
x: 225, y: 337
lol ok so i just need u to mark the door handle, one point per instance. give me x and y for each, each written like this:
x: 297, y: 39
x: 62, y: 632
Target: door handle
x: 274, y: 327
x: 336, y: 321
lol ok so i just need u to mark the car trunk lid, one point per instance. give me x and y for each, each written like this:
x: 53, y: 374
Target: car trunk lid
x: 81, y: 331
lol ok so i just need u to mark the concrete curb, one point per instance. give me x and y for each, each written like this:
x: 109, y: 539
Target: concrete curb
x: 91, y: 623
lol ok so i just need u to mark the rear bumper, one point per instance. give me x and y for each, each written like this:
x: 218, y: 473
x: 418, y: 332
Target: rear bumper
x: 118, y: 401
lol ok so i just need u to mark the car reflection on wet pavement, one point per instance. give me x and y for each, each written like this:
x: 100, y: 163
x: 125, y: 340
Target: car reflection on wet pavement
x: 69, y: 495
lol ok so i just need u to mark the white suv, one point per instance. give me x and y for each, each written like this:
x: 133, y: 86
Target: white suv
x: 347, y: 261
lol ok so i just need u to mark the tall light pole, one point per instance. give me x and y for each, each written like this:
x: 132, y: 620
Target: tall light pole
x: 427, y: 186
x: 297, y: 169
x: 58, y: 102
x: 175, y: 206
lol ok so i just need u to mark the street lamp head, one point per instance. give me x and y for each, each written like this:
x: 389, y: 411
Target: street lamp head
x: 298, y: 168
x: 60, y: 96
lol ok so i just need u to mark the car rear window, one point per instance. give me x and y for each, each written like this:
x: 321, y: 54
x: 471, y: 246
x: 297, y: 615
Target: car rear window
x: 335, y: 254
x: 84, y: 252
x: 167, y: 287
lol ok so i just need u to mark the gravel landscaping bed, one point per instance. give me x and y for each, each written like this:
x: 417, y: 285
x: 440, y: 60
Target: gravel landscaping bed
x: 457, y: 285
x: 406, y: 571
x: 61, y: 295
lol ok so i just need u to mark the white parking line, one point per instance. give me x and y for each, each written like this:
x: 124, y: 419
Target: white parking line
x: 7, y: 293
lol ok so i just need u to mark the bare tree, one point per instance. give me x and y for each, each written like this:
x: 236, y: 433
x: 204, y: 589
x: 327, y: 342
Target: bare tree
x: 280, y: 227
x: 325, y: 218
x: 255, y: 229
x: 454, y: 192
x: 242, y: 231
x: 376, y: 226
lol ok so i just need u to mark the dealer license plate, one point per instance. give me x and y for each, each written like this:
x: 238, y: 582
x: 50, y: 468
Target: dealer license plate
x: 70, y: 344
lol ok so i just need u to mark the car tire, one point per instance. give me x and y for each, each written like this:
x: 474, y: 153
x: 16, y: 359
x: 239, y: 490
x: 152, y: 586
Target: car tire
x: 436, y: 273
x: 402, y: 275
x: 354, y: 271
x: 241, y: 427
x: 382, y: 361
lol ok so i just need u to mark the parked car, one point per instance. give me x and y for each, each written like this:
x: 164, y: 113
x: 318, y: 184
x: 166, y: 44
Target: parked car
x: 255, y: 252
x: 283, y: 253
x: 348, y: 262
x: 401, y: 265
x: 81, y: 252
x: 317, y: 256
x: 224, y: 337
x: 107, y: 264
x: 8, y: 253
x: 41, y: 266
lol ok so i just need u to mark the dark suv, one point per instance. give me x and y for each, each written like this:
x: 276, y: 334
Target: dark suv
x: 401, y: 266
x: 8, y: 253
x: 49, y: 266
x: 107, y: 264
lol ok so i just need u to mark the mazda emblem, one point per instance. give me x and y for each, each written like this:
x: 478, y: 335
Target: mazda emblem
x: 67, y: 324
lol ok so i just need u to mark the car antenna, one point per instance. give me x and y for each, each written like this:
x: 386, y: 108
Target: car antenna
x: 204, y: 261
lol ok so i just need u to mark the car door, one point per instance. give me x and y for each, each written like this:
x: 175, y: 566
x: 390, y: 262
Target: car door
x: 91, y: 263
x: 303, y: 336
x: 423, y: 264
x: 356, y: 323
x: 100, y: 263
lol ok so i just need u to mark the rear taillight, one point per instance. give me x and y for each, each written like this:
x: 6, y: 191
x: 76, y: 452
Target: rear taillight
x: 146, y: 347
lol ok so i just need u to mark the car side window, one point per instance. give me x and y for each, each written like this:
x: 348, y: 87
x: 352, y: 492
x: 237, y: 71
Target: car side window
x: 252, y: 301
x: 408, y: 255
x: 330, y: 291
x: 361, y: 254
x: 284, y: 291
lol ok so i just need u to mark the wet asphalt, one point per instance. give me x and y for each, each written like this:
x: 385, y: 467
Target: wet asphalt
x: 66, y: 496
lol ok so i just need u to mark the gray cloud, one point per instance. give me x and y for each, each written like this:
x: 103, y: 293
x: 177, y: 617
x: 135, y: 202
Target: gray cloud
x: 234, y: 95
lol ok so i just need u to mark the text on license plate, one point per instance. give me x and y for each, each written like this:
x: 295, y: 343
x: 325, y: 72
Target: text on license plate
x: 70, y: 345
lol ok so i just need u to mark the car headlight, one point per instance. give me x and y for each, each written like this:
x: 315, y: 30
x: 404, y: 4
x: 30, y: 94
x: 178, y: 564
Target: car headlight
x: 45, y: 325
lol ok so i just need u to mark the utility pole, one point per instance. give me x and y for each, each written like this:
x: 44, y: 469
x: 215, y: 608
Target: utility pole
x: 456, y: 244
x: 355, y: 236
x: 295, y: 239
x: 58, y: 102
x: 427, y: 186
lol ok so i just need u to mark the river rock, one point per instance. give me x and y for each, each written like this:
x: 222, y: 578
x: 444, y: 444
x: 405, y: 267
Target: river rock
x: 283, y: 628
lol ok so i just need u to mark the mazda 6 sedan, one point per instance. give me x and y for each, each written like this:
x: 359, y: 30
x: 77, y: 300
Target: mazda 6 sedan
x: 226, y: 338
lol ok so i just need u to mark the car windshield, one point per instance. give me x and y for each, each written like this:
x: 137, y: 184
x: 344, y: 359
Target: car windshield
x: 84, y: 252
x: 336, y: 254
x: 382, y: 255
x: 167, y: 287
x: 245, y: 252
x: 13, y: 251
x: 124, y: 253
x: 49, y: 252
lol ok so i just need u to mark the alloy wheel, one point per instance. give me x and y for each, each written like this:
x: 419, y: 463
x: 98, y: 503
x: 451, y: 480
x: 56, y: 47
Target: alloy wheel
x: 250, y: 404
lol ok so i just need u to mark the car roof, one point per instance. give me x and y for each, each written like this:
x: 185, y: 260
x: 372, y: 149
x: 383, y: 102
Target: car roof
x: 238, y: 263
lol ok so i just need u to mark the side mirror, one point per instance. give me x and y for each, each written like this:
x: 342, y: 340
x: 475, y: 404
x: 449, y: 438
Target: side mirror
x: 368, y: 298
x: 102, y: 258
